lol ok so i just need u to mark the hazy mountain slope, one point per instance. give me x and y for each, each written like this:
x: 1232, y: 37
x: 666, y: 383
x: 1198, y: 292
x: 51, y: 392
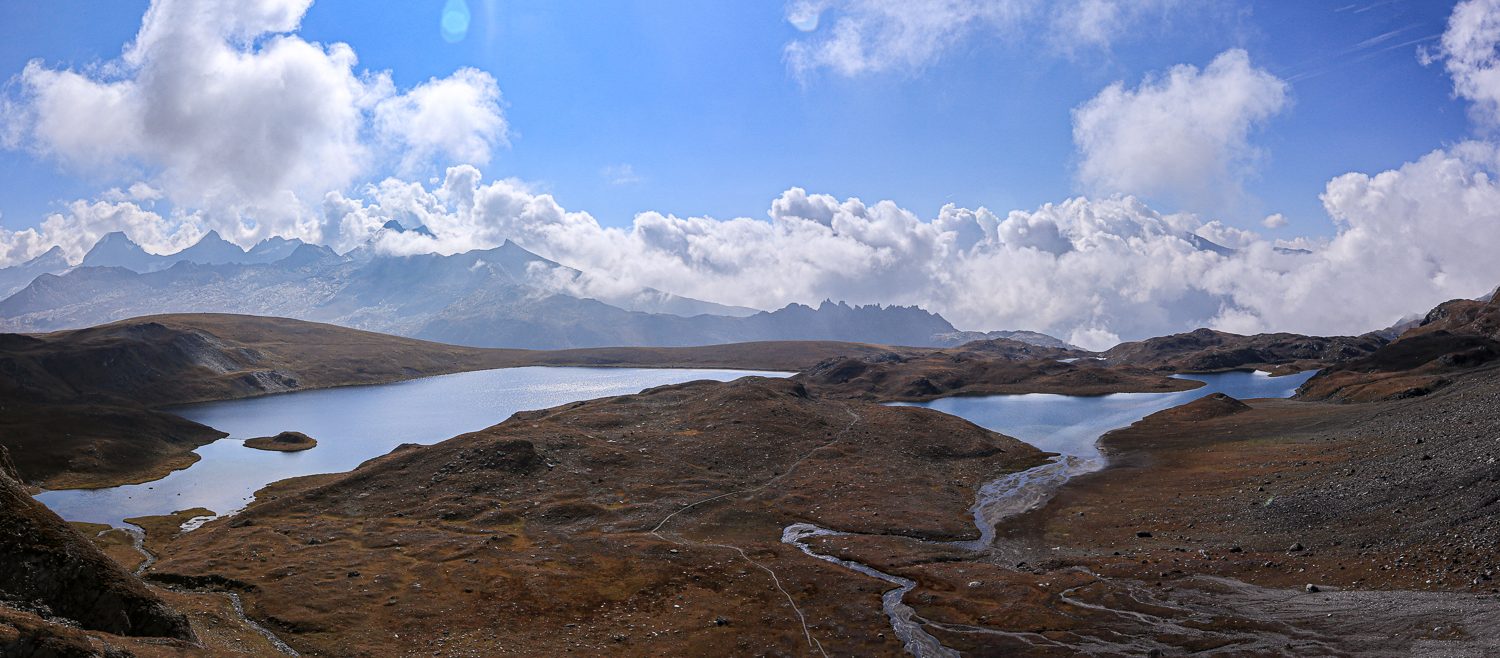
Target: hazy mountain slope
x: 117, y: 250
x: 17, y: 277
x: 500, y: 297
x: 1029, y: 337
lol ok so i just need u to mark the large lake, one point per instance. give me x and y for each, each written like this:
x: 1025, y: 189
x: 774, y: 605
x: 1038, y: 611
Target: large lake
x: 351, y: 424
x: 355, y: 424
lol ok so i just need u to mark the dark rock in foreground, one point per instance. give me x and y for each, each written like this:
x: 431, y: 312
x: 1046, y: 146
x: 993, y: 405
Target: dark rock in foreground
x: 53, y: 571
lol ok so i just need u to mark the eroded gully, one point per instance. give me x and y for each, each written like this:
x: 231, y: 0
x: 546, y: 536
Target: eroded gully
x: 1015, y: 493
x: 138, y: 542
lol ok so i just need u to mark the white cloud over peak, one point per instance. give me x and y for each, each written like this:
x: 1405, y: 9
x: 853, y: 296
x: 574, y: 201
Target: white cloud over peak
x: 1090, y: 270
x: 1182, y: 137
x: 225, y: 109
x: 81, y: 223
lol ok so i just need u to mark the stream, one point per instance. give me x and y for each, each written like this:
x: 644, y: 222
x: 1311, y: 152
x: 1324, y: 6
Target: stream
x: 1064, y: 424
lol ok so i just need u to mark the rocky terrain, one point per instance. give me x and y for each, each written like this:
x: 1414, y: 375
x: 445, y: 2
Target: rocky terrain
x: 53, y: 576
x: 989, y: 367
x: 1454, y: 338
x: 553, y: 531
x: 1267, y: 527
x: 676, y: 521
x: 588, y: 528
x: 1207, y: 350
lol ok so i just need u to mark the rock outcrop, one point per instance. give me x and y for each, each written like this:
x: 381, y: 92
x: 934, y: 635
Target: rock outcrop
x: 53, y: 571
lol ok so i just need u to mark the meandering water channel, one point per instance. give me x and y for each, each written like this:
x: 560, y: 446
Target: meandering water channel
x: 352, y: 424
x: 1067, y: 425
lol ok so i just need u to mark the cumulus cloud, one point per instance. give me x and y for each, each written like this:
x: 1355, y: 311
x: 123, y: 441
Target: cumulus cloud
x: 225, y: 109
x: 1183, y: 137
x: 1468, y: 51
x: 81, y: 223
x: 1274, y: 221
x: 1089, y: 270
x: 456, y: 119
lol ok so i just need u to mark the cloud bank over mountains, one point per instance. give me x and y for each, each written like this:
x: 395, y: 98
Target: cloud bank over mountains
x: 242, y: 124
x: 1088, y: 269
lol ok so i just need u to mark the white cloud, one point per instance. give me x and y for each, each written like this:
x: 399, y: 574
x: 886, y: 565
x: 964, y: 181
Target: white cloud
x: 1088, y: 269
x: 861, y: 37
x: 1468, y: 51
x: 225, y: 109
x: 1096, y: 24
x: 82, y: 223
x: 1274, y: 221
x: 620, y: 174
x: 871, y: 36
x: 456, y: 119
x: 1183, y: 137
x: 1091, y: 270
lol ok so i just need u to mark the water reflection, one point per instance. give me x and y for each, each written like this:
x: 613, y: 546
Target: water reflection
x: 351, y: 425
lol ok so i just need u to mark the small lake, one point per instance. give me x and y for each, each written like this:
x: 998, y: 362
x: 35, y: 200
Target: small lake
x: 352, y: 424
x: 1071, y: 425
x: 1064, y: 424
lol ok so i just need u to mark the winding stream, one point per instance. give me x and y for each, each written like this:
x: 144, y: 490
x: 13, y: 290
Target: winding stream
x: 1067, y: 425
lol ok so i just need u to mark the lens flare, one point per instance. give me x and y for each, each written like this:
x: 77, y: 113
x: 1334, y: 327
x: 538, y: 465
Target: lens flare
x: 804, y: 15
x: 455, y: 21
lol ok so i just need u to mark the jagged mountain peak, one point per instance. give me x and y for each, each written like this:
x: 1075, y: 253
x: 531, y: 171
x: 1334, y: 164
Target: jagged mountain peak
x: 115, y: 249
x: 398, y: 227
x: 51, y: 258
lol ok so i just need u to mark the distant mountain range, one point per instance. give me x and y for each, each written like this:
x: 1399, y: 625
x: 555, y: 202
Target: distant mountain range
x: 18, y: 277
x: 500, y: 297
x: 116, y: 250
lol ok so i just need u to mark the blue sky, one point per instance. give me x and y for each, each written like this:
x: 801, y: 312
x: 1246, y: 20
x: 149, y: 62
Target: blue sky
x: 1010, y: 164
x: 699, y: 102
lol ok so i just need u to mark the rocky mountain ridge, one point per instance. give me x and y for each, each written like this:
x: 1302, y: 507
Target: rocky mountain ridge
x: 500, y: 297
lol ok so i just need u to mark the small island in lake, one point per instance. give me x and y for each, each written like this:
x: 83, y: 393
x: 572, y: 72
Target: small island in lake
x: 283, y: 442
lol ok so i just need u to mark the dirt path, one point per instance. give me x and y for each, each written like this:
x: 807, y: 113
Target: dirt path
x: 812, y: 642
